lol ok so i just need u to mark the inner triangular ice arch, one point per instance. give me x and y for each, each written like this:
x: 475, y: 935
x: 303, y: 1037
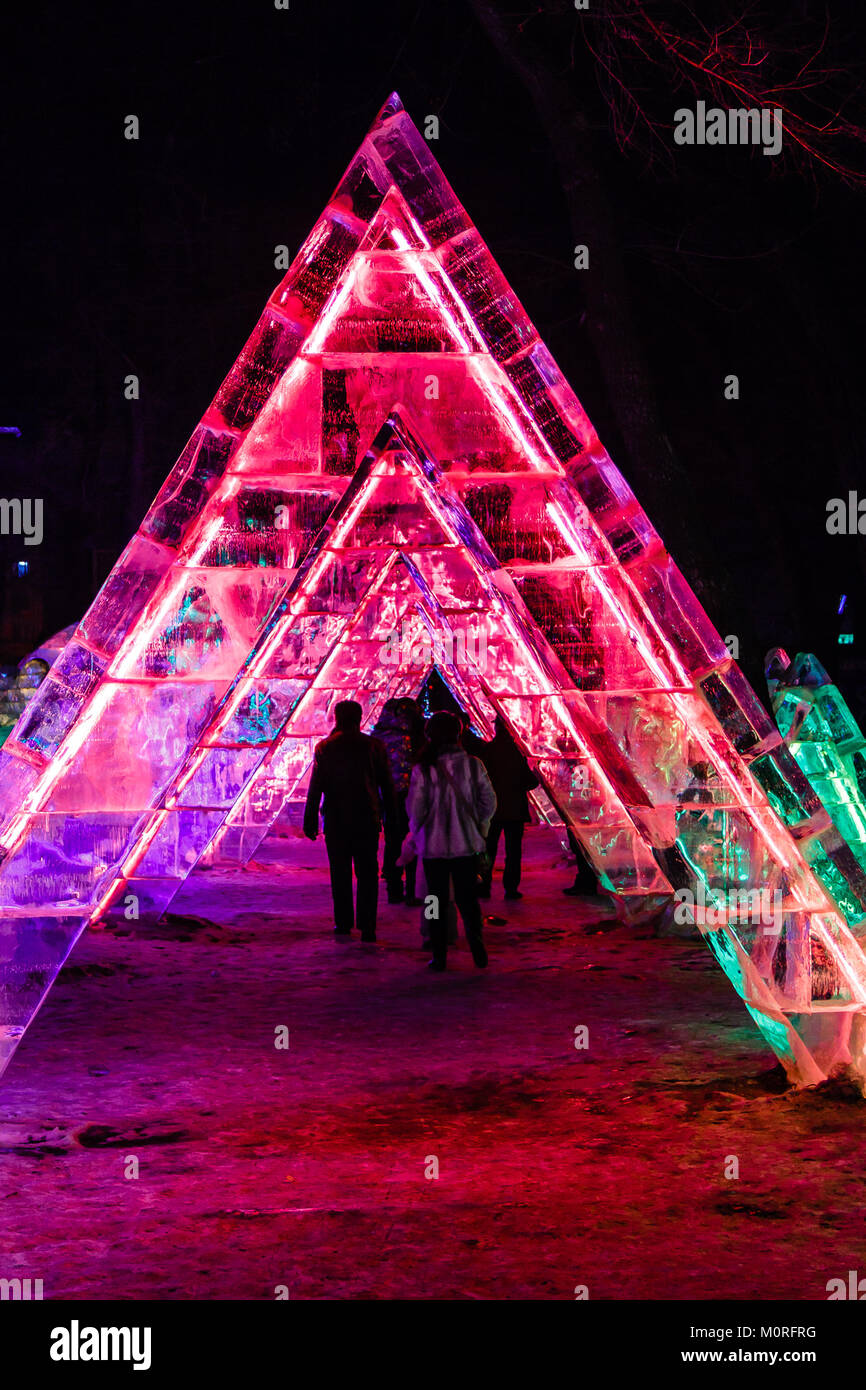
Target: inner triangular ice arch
x: 396, y: 452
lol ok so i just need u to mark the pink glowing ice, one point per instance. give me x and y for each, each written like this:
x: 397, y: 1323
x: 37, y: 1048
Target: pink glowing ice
x: 396, y: 454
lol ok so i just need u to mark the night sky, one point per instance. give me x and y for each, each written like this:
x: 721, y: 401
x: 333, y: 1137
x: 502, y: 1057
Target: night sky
x: 156, y: 256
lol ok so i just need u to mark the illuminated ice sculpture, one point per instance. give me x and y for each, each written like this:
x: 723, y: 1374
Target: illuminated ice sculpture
x: 827, y: 742
x: 395, y: 451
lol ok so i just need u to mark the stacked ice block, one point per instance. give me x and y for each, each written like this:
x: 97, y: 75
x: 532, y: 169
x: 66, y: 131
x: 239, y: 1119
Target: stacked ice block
x: 826, y: 742
x: 395, y: 451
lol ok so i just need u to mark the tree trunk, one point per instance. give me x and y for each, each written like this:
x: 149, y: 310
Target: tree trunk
x: 659, y: 482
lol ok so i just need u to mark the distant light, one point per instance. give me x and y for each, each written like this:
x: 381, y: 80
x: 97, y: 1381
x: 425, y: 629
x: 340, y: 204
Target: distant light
x: 10, y: 429
x: 846, y: 639
x: 23, y: 567
x: 843, y: 600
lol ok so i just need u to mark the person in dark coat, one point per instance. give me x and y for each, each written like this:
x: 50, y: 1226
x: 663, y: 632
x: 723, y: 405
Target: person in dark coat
x: 512, y: 779
x: 400, y: 726
x: 469, y: 740
x: 350, y: 770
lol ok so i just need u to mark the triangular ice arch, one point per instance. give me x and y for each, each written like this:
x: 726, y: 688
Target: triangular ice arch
x: 395, y: 451
x: 401, y: 558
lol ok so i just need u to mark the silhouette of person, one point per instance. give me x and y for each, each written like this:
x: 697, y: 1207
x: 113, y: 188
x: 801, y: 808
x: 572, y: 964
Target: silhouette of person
x: 450, y: 805
x: 400, y: 727
x: 351, y: 773
x: 512, y: 780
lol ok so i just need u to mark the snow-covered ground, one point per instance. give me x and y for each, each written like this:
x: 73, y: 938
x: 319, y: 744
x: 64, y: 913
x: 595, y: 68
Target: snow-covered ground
x: 311, y: 1167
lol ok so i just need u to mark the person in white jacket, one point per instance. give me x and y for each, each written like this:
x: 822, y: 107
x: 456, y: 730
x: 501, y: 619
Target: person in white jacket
x: 450, y: 805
